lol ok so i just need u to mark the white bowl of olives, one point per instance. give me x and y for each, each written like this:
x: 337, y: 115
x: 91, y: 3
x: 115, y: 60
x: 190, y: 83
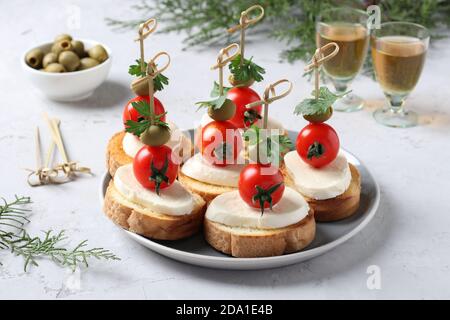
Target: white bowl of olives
x: 67, y: 69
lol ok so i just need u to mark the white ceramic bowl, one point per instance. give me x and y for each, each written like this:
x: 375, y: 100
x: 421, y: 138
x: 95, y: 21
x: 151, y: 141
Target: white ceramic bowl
x: 68, y: 86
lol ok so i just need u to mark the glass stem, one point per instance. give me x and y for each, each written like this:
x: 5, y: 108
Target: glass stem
x: 340, y: 86
x: 396, y: 103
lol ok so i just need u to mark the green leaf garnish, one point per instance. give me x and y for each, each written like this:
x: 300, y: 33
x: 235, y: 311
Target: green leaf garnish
x: 247, y: 71
x: 216, y: 103
x: 158, y: 82
x: 218, y: 100
x: 312, y: 106
x: 215, y: 92
x: 138, y: 127
x: 283, y: 142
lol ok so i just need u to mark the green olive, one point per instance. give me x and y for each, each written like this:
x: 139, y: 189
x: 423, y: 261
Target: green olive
x: 236, y: 83
x: 139, y: 87
x: 69, y: 60
x: 321, y: 117
x: 87, y: 63
x: 49, y: 58
x: 60, y: 46
x: 98, y: 53
x: 78, y: 48
x: 63, y: 36
x: 155, y: 136
x: 224, y: 113
x: 34, y: 58
x: 55, y: 68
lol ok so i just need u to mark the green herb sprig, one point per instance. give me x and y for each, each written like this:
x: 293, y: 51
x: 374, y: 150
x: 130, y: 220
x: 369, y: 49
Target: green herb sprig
x: 253, y: 136
x: 218, y: 99
x: 14, y: 237
x: 246, y: 71
x: 320, y: 105
x: 158, y: 82
x: 144, y: 122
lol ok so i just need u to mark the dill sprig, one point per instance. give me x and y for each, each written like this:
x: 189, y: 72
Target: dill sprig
x: 18, y: 241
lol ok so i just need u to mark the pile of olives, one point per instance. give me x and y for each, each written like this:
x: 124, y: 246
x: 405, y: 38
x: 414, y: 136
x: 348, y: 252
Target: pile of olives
x: 66, y: 55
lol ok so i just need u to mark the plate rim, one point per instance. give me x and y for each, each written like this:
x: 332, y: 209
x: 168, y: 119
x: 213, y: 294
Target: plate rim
x: 228, y: 262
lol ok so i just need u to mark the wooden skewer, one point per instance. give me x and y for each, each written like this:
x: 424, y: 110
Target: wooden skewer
x: 56, y: 135
x: 51, y: 149
x: 38, y: 149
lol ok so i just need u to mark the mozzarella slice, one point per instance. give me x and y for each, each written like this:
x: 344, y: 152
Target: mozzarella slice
x: 229, y: 209
x: 174, y: 200
x: 319, y: 183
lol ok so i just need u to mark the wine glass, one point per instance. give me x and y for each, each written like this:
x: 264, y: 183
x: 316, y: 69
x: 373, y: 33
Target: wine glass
x: 398, y: 54
x: 348, y: 28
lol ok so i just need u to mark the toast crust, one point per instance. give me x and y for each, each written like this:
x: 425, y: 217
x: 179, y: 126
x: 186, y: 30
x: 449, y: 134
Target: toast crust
x: 206, y: 190
x: 150, y: 224
x: 116, y: 156
x: 252, y: 243
x: 337, y: 208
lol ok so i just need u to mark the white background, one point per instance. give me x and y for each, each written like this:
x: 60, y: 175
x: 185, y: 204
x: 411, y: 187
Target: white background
x: 409, y: 239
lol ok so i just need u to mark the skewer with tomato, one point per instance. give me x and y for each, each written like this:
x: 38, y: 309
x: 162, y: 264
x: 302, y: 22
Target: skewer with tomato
x: 139, y: 86
x: 261, y: 184
x: 220, y: 140
x: 318, y: 143
x: 244, y: 72
x: 155, y: 166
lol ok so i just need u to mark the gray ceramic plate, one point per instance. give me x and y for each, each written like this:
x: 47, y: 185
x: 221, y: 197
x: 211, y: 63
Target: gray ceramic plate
x: 196, y: 251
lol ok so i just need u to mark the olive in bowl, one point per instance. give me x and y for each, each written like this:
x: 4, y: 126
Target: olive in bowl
x: 69, y: 78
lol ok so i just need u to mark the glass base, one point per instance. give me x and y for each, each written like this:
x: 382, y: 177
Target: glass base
x: 396, y: 119
x: 349, y: 103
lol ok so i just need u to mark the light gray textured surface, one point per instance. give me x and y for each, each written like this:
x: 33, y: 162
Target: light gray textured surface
x: 409, y: 239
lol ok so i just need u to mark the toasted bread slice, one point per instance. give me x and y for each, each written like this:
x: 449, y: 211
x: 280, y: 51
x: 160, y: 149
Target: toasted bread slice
x: 252, y: 243
x: 152, y: 224
x: 206, y: 190
x: 337, y: 208
x: 116, y: 156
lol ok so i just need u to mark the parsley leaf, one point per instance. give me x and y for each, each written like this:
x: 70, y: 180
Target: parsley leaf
x: 215, y: 92
x: 158, y: 82
x: 312, y: 106
x: 254, y: 136
x: 247, y: 71
x: 138, y: 127
x: 217, y: 101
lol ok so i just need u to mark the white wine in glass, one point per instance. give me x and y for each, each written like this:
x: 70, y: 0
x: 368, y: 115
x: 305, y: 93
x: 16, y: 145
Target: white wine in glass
x: 398, y: 54
x: 348, y: 28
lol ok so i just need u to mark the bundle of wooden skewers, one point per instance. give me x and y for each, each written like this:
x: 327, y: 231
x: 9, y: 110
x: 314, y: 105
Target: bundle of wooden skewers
x: 48, y: 173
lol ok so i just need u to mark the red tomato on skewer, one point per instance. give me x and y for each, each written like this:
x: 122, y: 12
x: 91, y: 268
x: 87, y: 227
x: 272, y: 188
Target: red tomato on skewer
x: 155, y: 168
x: 130, y: 113
x: 317, y: 144
x: 220, y: 143
x: 261, y: 185
x: 241, y: 96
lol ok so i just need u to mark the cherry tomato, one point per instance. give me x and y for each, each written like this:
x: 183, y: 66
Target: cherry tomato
x: 243, y: 117
x: 130, y: 113
x: 220, y: 143
x: 261, y: 185
x: 317, y: 144
x: 155, y: 167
